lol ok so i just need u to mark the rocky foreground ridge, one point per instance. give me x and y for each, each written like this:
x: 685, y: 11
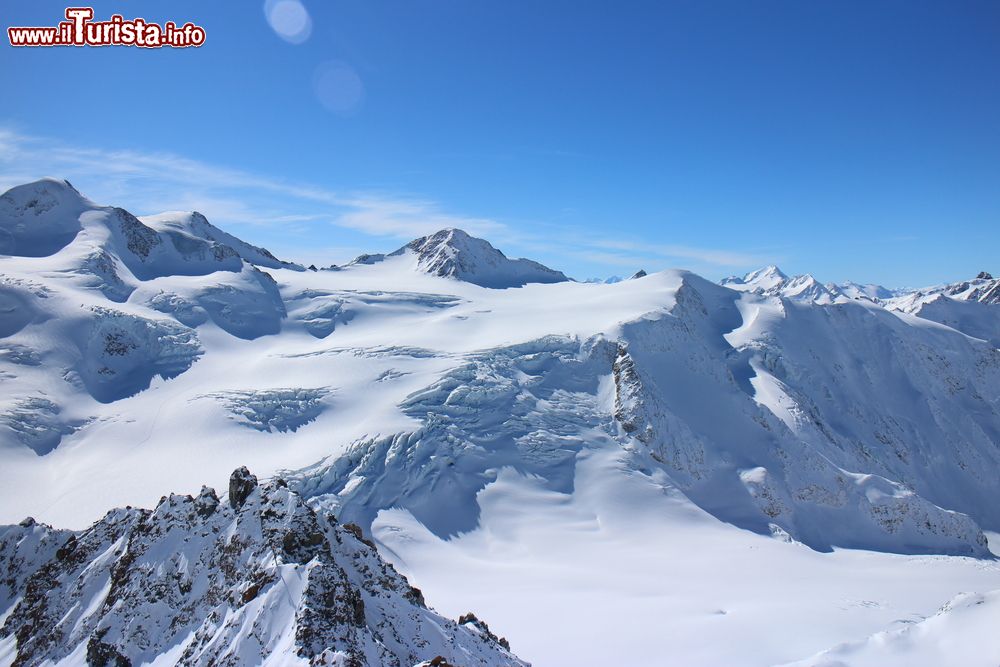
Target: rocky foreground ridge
x: 257, y: 577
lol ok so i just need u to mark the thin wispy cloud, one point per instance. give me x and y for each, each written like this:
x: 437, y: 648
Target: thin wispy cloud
x: 151, y: 182
x: 402, y: 217
x: 714, y: 257
x: 302, y: 217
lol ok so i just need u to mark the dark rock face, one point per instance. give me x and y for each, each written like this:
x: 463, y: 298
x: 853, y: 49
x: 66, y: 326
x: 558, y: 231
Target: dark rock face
x: 220, y: 585
x: 100, y: 654
x: 641, y: 273
x: 984, y: 288
x: 471, y: 620
x: 139, y: 238
x: 988, y: 293
x: 628, y: 396
x: 241, y: 485
x: 207, y: 502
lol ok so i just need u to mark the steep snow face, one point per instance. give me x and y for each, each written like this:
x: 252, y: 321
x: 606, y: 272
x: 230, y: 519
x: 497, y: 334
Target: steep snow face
x: 122, y: 353
x: 452, y: 253
x: 518, y: 445
x: 150, y: 254
x: 770, y: 443
x: 970, y: 306
x: 258, y: 578
x: 63, y: 354
x: 109, y: 249
x: 823, y: 407
x: 195, y: 225
x: 970, y: 317
x: 39, y: 219
x: 246, y: 305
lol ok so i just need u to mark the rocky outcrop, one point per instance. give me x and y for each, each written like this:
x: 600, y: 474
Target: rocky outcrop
x: 241, y: 485
x: 262, y: 579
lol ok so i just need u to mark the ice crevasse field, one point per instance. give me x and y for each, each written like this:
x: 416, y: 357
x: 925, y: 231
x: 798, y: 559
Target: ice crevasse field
x: 658, y: 471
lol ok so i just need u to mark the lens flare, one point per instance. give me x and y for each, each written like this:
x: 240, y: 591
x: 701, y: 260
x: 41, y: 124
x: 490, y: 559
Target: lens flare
x: 289, y: 19
x: 338, y: 87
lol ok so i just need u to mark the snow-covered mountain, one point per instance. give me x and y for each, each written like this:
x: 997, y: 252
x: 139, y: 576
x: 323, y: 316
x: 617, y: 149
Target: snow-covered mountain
x: 254, y: 578
x: 452, y: 253
x: 566, y: 458
x: 196, y: 225
x: 771, y: 281
x: 870, y: 291
x: 984, y: 288
x: 956, y: 305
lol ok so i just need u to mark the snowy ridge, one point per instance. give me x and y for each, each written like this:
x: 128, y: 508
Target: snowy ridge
x: 194, y: 224
x: 258, y: 579
x: 507, y: 449
x: 956, y: 305
x: 111, y: 249
x: 984, y: 288
x: 537, y: 407
x: 771, y: 281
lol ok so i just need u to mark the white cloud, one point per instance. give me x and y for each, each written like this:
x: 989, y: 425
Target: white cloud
x: 710, y: 256
x: 298, y: 215
x: 407, y: 218
x: 153, y: 182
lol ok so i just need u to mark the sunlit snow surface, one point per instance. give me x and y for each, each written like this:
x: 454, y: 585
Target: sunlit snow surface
x: 609, y: 473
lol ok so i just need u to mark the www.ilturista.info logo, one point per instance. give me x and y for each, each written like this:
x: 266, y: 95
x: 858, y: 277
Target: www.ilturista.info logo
x: 81, y: 30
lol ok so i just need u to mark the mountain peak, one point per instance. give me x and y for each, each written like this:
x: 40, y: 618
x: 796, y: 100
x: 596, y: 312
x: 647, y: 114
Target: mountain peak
x: 40, y: 218
x: 454, y: 253
x: 197, y: 225
x: 770, y: 272
x: 48, y: 186
x: 764, y: 280
x: 450, y: 237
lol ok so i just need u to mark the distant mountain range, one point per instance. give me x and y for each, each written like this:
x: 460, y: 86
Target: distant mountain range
x: 539, y: 449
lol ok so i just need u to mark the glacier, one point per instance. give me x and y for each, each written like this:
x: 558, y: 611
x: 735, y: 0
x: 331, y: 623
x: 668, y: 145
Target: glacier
x: 721, y: 457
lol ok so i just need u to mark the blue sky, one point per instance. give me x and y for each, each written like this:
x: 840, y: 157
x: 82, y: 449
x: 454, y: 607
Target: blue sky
x: 850, y: 139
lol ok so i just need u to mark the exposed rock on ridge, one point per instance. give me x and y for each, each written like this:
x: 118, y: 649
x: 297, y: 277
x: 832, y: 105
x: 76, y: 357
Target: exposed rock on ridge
x: 262, y: 579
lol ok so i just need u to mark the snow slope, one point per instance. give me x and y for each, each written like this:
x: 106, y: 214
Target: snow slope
x: 725, y: 459
x: 962, y: 632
